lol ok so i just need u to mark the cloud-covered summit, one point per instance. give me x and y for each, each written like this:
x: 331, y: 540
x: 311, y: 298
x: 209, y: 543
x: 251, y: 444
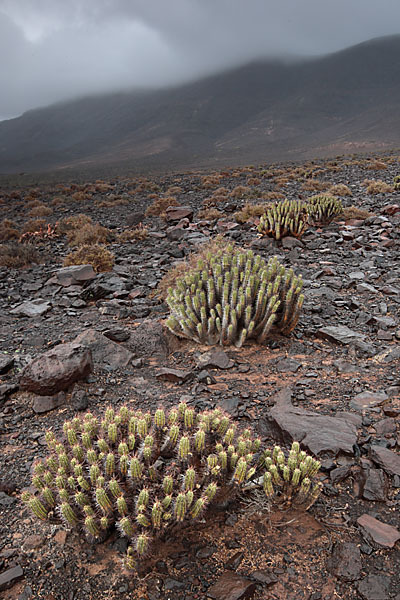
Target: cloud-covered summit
x: 52, y: 50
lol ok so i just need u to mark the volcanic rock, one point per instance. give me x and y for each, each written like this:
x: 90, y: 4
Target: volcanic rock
x: 383, y: 534
x: 107, y: 355
x: 57, y: 369
x: 319, y: 433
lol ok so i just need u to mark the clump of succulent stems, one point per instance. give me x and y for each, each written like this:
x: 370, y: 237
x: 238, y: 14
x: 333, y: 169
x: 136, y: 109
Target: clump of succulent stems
x: 145, y: 474
x: 290, y: 480
x: 281, y: 219
x: 234, y: 295
x: 322, y: 209
x: 396, y: 183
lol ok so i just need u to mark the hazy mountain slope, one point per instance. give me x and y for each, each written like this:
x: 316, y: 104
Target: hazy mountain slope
x: 263, y: 110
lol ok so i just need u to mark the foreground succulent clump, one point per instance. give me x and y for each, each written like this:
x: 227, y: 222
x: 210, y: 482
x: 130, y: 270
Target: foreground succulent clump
x: 234, y: 295
x: 322, y: 209
x: 289, y: 217
x: 144, y: 474
x: 290, y: 481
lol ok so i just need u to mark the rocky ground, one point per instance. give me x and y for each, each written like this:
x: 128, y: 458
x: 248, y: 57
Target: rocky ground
x: 334, y: 384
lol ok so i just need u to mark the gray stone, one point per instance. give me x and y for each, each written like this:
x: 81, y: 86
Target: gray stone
x: 374, y: 587
x: 375, y: 486
x: 367, y: 399
x: 215, y: 358
x: 148, y: 339
x: 43, y: 404
x: 32, y: 308
x: 340, y: 334
x: 174, y: 375
x: 75, y: 275
x: 345, y: 562
x: 6, y: 362
x: 387, y: 459
x: 9, y: 577
x: 107, y: 355
x: 319, y: 433
x: 57, y: 369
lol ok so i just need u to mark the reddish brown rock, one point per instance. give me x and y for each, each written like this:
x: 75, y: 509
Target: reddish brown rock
x: 176, y: 213
x: 383, y: 534
x: 174, y: 375
x: 387, y: 459
x: 106, y: 354
x: 232, y: 586
x: 57, y: 369
x: 345, y: 562
x: 319, y: 433
x: 366, y: 400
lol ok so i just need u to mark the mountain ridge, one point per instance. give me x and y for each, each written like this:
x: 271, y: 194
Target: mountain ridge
x: 265, y: 110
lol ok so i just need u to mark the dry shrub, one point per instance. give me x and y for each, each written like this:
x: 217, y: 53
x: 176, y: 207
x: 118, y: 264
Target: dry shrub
x: 40, y: 211
x: 209, y: 181
x: 112, y: 201
x: 33, y: 204
x: 88, y: 235
x: 340, y: 189
x: 34, y: 225
x: 137, y: 234
x: 377, y: 165
x: 353, y: 212
x: 57, y: 201
x: 209, y: 214
x: 80, y: 196
x: 249, y: 211
x: 17, y: 256
x: 272, y: 196
x: 75, y: 222
x: 159, y: 206
x: 8, y: 231
x: 172, y: 190
x: 101, y: 187
x: 188, y: 264
x: 377, y: 186
x: 253, y: 181
x: 241, y: 191
x: 280, y: 181
x: 96, y: 255
x: 315, y: 185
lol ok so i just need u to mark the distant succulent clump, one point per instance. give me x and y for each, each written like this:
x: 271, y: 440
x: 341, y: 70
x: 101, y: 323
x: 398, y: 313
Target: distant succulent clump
x: 143, y: 473
x: 290, y: 481
x: 289, y: 217
x: 396, y: 183
x: 322, y: 209
x: 232, y: 296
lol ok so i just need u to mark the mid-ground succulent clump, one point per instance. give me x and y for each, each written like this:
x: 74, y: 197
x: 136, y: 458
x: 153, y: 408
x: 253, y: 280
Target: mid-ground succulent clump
x: 289, y: 217
x: 145, y: 474
x: 290, y: 481
x: 322, y: 209
x: 234, y: 295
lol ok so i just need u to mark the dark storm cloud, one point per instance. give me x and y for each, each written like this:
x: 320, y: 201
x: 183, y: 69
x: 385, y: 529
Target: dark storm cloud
x: 56, y: 49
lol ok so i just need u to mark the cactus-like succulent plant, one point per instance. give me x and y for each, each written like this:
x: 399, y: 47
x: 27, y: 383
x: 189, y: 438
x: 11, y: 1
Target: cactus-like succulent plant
x: 232, y: 296
x: 396, y: 183
x: 322, y: 208
x: 290, y: 480
x: 288, y: 217
x: 132, y: 471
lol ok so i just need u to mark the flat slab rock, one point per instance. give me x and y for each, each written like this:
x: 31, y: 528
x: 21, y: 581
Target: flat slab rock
x: 215, y: 359
x: 232, y: 586
x: 319, y: 433
x: 340, y: 334
x: 107, y: 355
x: 32, y: 308
x: 381, y: 533
x: 75, y: 275
x: 367, y: 399
x: 345, y: 562
x: 10, y: 576
x: 57, y: 369
x: 387, y: 459
x: 374, y: 587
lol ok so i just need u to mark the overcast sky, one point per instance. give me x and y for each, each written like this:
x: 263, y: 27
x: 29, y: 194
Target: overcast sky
x: 52, y: 50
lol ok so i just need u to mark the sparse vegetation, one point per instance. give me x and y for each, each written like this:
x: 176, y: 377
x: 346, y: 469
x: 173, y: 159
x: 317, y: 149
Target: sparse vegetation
x: 289, y: 217
x: 377, y: 186
x: 96, y: 255
x: 18, y: 256
x: 160, y: 205
x: 233, y: 296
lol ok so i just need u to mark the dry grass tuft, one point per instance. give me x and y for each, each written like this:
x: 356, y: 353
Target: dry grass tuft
x: 8, y: 231
x: 377, y: 186
x: 18, y: 256
x: 96, y: 255
x: 353, y: 212
x: 340, y: 189
x: 160, y: 205
x: 249, y: 211
x: 137, y: 234
x: 315, y: 185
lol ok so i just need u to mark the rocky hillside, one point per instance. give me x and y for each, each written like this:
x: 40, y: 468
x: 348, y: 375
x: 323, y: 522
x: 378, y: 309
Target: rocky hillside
x: 333, y: 384
x: 345, y: 102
